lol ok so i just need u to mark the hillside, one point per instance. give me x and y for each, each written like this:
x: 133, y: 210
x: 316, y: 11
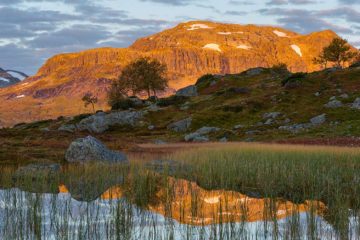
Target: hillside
x: 266, y: 105
x: 189, y: 50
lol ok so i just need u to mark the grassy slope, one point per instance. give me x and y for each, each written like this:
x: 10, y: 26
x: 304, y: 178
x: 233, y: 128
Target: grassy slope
x: 216, y: 106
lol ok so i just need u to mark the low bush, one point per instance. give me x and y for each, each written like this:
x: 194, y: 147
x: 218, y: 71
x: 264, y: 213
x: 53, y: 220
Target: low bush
x: 173, y: 100
x: 294, y: 78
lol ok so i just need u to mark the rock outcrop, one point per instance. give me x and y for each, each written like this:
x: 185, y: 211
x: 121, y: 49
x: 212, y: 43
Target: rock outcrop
x: 101, y: 121
x: 201, y: 134
x: 356, y: 104
x: 89, y: 149
x: 190, y: 91
x: 180, y: 126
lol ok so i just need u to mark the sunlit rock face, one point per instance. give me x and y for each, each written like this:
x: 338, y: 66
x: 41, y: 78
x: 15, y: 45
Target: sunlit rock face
x: 189, y: 50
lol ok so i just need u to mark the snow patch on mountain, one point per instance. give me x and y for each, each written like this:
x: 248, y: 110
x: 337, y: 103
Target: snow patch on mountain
x: 243, y: 46
x: 225, y: 33
x: 198, y: 26
x: 4, y: 79
x: 20, y: 96
x: 280, y: 34
x: 297, y: 49
x: 213, y: 46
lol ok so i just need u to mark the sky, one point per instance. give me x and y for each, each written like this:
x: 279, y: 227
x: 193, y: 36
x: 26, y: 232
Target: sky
x: 31, y: 31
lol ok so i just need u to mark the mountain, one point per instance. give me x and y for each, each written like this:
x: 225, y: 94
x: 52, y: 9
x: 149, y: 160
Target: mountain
x: 7, y: 79
x: 189, y: 50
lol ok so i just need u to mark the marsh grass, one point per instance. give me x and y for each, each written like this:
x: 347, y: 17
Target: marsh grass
x: 135, y: 202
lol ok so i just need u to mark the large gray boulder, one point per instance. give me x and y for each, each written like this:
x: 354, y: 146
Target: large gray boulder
x: 101, y: 122
x: 333, y: 103
x: 318, y: 120
x: 200, y: 134
x: 84, y: 150
x: 189, y: 91
x: 180, y: 126
x: 356, y: 103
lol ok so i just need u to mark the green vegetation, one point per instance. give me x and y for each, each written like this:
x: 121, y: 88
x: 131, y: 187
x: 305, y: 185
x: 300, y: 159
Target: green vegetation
x: 338, y: 52
x: 90, y: 99
x: 144, y: 74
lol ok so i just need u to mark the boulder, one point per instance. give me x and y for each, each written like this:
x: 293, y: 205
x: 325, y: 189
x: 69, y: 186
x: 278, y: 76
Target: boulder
x: 269, y: 121
x: 199, y: 135
x: 201, y: 139
x: 344, y: 96
x: 236, y: 127
x: 317, y: 94
x: 333, y: 103
x: 189, y: 91
x: 67, y: 128
x: 356, y: 104
x: 151, y: 127
x: 190, y: 137
x: 84, y: 150
x: 223, y: 140
x: 295, y: 128
x: 153, y: 108
x: 318, y: 120
x: 271, y: 115
x: 101, y: 122
x: 180, y: 126
x: 207, y: 130
x: 159, y: 142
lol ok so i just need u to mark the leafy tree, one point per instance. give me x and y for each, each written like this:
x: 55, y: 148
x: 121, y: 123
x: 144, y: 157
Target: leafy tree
x: 144, y: 74
x: 88, y: 99
x: 338, y: 52
x: 321, y: 60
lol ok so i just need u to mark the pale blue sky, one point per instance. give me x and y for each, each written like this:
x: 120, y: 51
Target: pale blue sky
x: 34, y: 30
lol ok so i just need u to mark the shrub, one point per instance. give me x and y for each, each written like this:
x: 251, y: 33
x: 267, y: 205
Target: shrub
x: 173, y: 100
x: 233, y: 108
x: 280, y: 68
x: 122, y: 104
x: 294, y: 78
x: 204, y: 79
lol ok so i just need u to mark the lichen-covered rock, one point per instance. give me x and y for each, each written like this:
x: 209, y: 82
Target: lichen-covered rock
x: 189, y: 91
x: 295, y: 128
x: 333, y: 103
x: 180, y: 126
x: 207, y: 130
x: 89, y: 149
x: 318, y: 120
x: 271, y: 115
x: 356, y: 104
x: 101, y: 122
x: 200, y: 134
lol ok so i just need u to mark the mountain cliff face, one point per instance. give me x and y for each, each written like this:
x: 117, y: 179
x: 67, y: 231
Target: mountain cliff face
x: 189, y: 50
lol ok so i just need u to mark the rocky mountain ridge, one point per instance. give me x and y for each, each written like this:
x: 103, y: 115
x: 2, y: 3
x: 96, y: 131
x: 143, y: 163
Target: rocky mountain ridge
x: 7, y: 79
